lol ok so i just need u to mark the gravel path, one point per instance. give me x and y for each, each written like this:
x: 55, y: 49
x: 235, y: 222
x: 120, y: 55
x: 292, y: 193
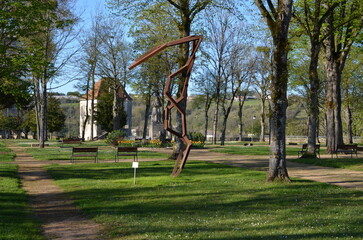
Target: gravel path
x: 59, y: 217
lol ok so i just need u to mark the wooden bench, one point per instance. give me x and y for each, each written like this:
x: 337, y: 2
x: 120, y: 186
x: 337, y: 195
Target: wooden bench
x: 37, y: 145
x: 126, y: 151
x: 84, y: 152
x: 347, y: 149
x: 71, y: 141
x: 304, y: 148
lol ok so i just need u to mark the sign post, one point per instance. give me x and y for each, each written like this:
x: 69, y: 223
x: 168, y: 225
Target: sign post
x: 134, y: 166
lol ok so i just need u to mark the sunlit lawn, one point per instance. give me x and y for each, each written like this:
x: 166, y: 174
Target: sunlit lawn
x: 16, y: 221
x: 340, y: 162
x: 104, y: 153
x: 253, y: 150
x: 208, y: 201
x: 5, y: 154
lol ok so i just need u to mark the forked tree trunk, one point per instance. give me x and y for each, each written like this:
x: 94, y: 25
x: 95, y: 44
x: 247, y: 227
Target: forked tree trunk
x: 278, y: 20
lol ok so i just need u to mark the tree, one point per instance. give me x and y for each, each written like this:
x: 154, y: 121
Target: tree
x: 56, y: 118
x: 149, y: 30
x: 19, y: 21
x: 262, y: 81
x: 91, y: 55
x: 342, y: 29
x: 115, y: 56
x: 278, y: 19
x: 104, y: 113
x: 311, y: 15
x: 45, y: 47
x: 230, y: 60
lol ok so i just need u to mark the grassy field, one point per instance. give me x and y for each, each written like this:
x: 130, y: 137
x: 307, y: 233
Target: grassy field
x: 5, y: 153
x: 342, y: 162
x: 208, y: 201
x: 16, y: 222
x: 253, y: 150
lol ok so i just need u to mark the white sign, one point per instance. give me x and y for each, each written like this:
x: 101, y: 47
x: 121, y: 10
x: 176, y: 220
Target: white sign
x: 135, y: 164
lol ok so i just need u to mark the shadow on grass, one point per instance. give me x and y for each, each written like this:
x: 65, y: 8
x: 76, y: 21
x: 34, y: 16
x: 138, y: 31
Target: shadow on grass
x: 210, y: 201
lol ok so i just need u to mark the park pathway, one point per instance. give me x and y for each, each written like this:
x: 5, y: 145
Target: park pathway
x: 336, y: 176
x: 59, y: 217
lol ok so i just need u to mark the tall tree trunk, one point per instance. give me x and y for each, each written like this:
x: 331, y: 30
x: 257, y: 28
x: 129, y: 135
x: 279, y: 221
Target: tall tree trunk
x: 207, y: 104
x: 263, y: 120
x: 349, y: 123
x: 92, y: 105
x: 241, y: 102
x: 43, y: 115
x: 146, y: 117
x: 313, y: 101
x: 332, y: 104
x: 215, y: 121
x: 115, y: 110
x: 278, y: 20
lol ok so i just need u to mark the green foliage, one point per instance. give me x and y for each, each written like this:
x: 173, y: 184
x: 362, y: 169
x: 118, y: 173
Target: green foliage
x: 196, y: 136
x: 113, y: 136
x: 55, y: 115
x: 208, y: 201
x: 104, y: 116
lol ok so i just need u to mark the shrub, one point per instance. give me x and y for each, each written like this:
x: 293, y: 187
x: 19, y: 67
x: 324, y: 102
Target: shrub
x: 114, y: 136
x: 196, y: 137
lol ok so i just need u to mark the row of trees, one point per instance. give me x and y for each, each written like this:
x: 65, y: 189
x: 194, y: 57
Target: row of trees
x: 235, y: 58
x: 34, y: 34
x: 229, y: 66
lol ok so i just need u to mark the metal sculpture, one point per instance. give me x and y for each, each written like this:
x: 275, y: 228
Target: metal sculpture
x: 186, y: 69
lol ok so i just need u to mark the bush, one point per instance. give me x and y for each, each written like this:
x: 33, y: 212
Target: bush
x: 114, y: 136
x: 196, y: 137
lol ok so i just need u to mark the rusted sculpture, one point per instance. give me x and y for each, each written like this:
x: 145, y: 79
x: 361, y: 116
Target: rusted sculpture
x: 187, y: 68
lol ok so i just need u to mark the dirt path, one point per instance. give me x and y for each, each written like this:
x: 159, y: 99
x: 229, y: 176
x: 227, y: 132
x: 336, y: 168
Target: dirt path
x: 336, y: 176
x: 59, y: 217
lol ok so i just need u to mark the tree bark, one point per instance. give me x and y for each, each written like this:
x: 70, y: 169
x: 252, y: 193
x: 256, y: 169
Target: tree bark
x: 278, y: 21
x: 146, y: 117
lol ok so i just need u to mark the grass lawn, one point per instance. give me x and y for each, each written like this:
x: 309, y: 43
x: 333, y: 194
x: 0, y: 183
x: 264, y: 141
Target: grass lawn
x: 208, y: 201
x: 342, y: 162
x: 5, y: 153
x: 253, y: 150
x: 16, y: 222
x: 104, y: 153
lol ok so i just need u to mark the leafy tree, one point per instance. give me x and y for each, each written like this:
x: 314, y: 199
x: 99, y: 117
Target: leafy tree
x: 311, y: 15
x: 114, y: 58
x: 277, y: 17
x: 20, y: 19
x: 343, y: 27
x: 104, y: 113
x: 55, y: 116
x: 45, y: 48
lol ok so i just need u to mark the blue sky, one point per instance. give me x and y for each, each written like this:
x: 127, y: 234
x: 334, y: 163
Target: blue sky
x: 85, y: 9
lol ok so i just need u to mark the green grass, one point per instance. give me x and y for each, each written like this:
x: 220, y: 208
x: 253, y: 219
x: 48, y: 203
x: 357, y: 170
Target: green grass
x: 208, y: 201
x: 16, y: 222
x: 342, y: 162
x: 253, y: 150
x: 105, y: 153
x: 5, y: 153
